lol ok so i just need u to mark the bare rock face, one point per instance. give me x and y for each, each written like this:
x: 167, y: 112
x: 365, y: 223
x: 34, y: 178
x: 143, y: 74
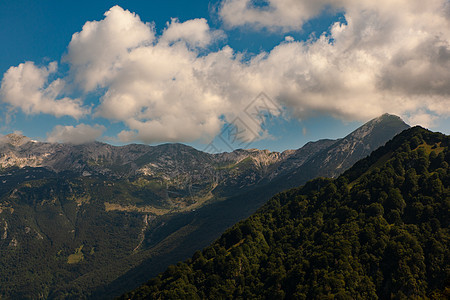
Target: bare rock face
x: 180, y: 164
x: 357, y: 145
x: 14, y: 139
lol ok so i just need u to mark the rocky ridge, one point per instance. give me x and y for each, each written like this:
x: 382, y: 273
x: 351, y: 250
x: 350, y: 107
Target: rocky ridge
x: 97, y: 216
x: 182, y: 166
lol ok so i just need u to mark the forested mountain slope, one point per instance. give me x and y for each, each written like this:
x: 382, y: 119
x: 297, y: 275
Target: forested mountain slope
x: 380, y: 230
x: 97, y: 220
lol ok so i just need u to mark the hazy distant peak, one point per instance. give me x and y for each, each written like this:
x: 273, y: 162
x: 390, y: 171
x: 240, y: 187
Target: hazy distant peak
x: 15, y: 139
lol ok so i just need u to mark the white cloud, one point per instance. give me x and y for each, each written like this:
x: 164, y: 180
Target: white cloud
x: 277, y: 14
x: 80, y: 134
x: 96, y: 53
x: 288, y: 15
x: 196, y: 33
x: 380, y: 61
x: 289, y: 38
x: 421, y: 118
x: 390, y: 56
x: 27, y: 87
x: 166, y: 90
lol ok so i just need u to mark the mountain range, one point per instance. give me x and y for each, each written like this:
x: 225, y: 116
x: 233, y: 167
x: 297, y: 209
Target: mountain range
x: 95, y: 220
x: 379, y: 231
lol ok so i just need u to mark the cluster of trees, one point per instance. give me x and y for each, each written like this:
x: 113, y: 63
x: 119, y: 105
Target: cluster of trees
x: 381, y: 230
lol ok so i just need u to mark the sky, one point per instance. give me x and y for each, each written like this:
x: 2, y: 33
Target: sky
x: 220, y: 75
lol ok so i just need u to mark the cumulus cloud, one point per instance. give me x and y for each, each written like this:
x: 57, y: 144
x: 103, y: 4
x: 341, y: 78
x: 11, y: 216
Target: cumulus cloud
x: 273, y: 14
x: 420, y: 69
x: 164, y: 90
x: 27, y: 87
x: 96, y: 52
x: 389, y: 56
x: 379, y: 61
x: 196, y: 33
x: 421, y: 118
x: 80, y: 134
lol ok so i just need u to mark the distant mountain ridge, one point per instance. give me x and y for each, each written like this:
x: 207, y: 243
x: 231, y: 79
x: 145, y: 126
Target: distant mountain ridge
x: 131, y: 160
x: 137, y: 208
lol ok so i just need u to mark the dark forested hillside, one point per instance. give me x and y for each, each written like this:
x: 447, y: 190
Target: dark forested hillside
x: 380, y: 230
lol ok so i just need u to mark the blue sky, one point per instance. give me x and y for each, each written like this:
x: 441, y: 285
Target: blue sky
x: 179, y: 71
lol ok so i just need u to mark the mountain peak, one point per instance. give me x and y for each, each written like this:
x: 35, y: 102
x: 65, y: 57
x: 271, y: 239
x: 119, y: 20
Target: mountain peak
x: 387, y: 117
x: 385, y: 123
x: 360, y: 143
x: 15, y: 139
